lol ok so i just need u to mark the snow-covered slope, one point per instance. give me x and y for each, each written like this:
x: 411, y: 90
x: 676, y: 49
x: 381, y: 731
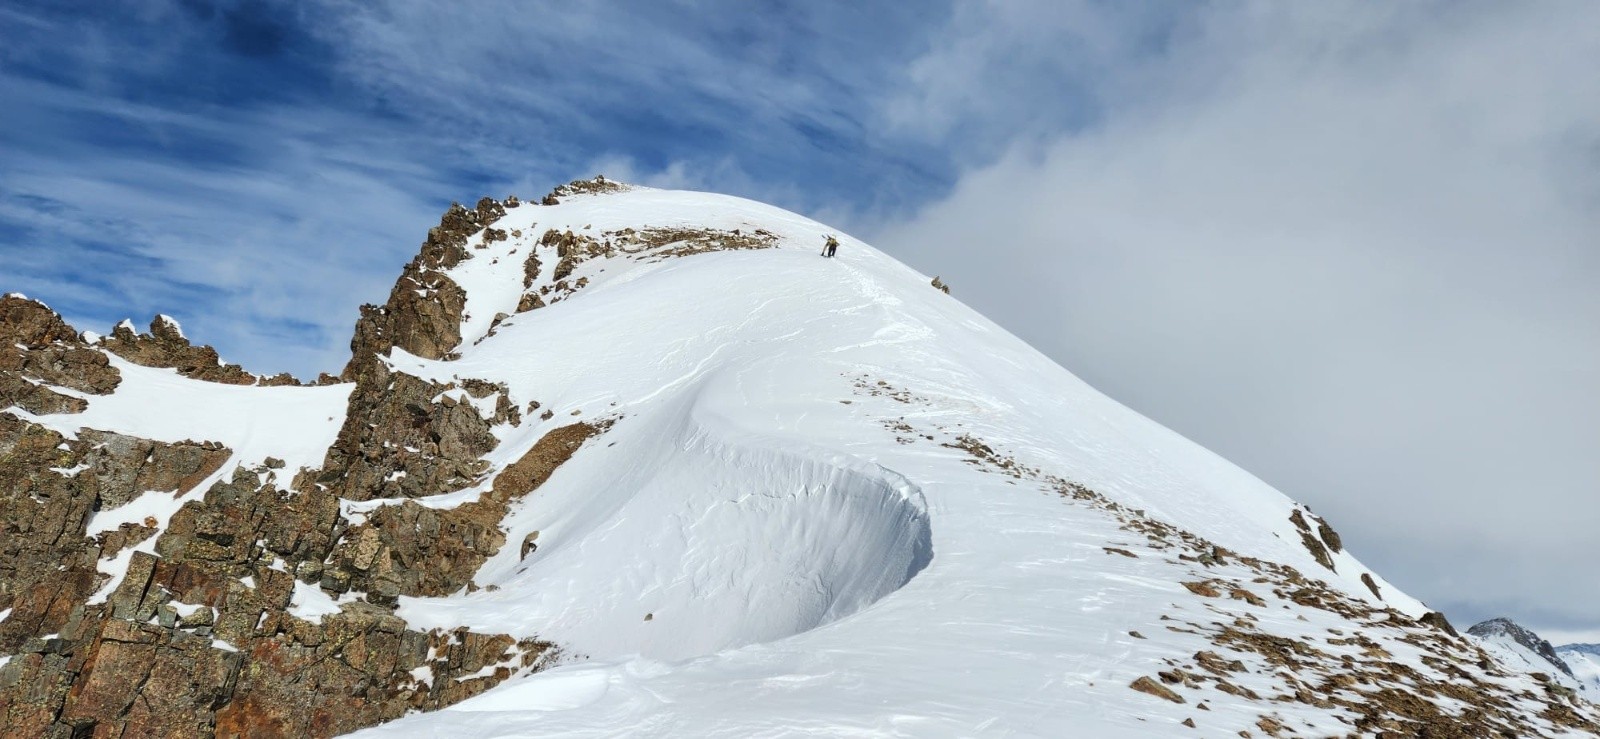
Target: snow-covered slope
x: 820, y: 497
x: 1584, y: 661
x: 835, y: 501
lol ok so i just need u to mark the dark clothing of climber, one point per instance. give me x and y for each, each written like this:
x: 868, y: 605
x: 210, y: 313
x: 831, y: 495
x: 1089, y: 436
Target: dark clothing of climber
x: 830, y: 247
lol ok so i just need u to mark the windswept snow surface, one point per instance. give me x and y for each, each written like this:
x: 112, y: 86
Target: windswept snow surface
x: 750, y: 551
x: 294, y: 424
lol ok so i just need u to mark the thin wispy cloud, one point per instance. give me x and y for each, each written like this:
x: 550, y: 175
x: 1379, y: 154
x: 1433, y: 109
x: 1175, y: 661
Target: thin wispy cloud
x: 260, y: 172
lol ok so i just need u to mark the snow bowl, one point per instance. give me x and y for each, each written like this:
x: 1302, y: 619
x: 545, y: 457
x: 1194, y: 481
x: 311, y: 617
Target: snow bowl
x: 726, y: 545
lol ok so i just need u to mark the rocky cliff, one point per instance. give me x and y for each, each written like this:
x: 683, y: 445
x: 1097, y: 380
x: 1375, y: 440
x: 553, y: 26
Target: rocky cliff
x: 186, y: 624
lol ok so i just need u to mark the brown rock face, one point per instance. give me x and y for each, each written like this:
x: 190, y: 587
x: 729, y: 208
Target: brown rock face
x: 38, y: 350
x: 30, y: 322
x: 179, y: 676
x: 423, y: 313
x: 36, y: 399
x: 397, y: 442
x: 198, y: 638
x: 1309, y: 539
x: 124, y: 466
x: 165, y: 346
x: 383, y: 555
x: 1438, y: 621
x: 403, y: 436
x: 49, y: 489
x: 1151, y: 687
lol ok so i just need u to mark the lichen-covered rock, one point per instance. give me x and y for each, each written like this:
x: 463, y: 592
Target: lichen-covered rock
x: 124, y: 467
x: 48, y: 491
x: 17, y: 391
x: 404, y: 437
x: 38, y: 352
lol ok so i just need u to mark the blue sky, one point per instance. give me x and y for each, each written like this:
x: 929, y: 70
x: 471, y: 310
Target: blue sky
x: 1349, y: 246
x: 257, y: 168
x: 189, y: 150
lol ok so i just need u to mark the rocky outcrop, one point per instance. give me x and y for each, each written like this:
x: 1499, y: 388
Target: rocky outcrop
x: 40, y: 355
x: 410, y: 549
x: 166, y: 346
x: 598, y: 185
x: 423, y: 313
x: 50, y: 488
x: 197, y: 631
x: 404, y: 438
x: 124, y: 467
x: 201, y: 638
x: 240, y: 666
x: 1318, y: 547
x: 645, y: 245
x: 35, y: 398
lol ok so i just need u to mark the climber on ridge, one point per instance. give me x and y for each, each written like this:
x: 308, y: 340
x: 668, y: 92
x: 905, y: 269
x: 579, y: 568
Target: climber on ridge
x: 830, y: 246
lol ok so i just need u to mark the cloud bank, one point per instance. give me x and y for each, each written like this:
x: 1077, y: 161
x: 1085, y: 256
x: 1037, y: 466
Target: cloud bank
x: 1352, y: 248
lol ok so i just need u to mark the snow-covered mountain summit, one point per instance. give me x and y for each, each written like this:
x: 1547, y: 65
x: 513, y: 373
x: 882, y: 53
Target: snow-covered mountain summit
x: 1512, y: 636
x: 643, y: 462
x: 1573, y: 666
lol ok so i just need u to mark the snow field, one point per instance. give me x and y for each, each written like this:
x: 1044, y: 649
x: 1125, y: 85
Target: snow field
x: 719, y: 543
x: 779, y: 534
x: 752, y: 500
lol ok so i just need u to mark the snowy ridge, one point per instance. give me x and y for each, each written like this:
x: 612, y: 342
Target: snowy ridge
x: 825, y: 497
x: 294, y: 424
x: 864, y: 306
x: 1521, y: 649
x: 779, y: 415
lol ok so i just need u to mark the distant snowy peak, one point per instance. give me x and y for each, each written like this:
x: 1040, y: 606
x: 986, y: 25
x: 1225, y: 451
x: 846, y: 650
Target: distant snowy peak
x: 1584, y: 661
x: 1518, y: 639
x: 1592, y: 650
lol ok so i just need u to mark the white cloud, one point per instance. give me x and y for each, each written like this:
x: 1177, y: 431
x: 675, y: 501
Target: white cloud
x: 266, y: 258
x: 1351, y: 247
